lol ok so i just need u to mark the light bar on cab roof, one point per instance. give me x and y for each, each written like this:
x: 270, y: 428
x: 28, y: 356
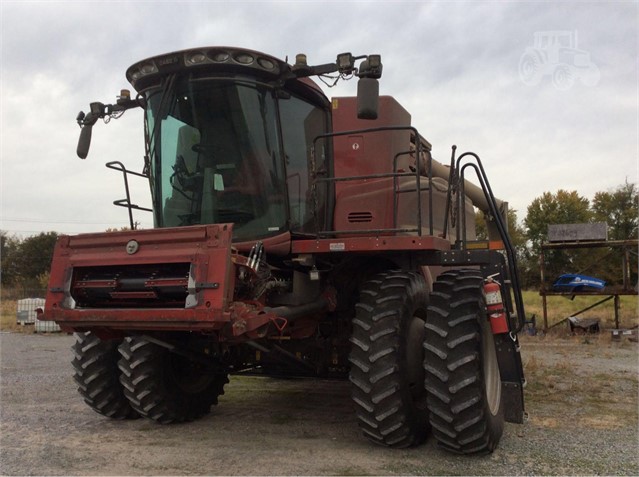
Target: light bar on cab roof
x: 234, y: 60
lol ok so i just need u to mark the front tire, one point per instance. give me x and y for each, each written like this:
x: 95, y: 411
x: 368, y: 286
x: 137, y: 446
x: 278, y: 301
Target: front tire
x: 563, y: 78
x: 95, y: 366
x: 386, y: 359
x: 164, y: 386
x: 462, y: 372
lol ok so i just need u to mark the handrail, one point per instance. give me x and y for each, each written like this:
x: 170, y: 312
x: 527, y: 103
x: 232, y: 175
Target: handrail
x: 501, y: 227
x: 126, y: 202
x: 417, y: 174
x: 449, y: 191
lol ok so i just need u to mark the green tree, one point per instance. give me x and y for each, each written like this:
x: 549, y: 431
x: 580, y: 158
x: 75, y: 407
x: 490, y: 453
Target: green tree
x: 515, y: 231
x: 620, y: 210
x: 34, y: 258
x: 9, y: 247
x: 563, y: 207
x: 528, y: 267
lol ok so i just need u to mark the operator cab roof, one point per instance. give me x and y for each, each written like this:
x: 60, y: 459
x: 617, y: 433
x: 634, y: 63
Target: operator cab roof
x: 206, y: 60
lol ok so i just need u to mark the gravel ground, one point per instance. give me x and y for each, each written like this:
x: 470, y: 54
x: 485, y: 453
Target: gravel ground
x: 582, y: 400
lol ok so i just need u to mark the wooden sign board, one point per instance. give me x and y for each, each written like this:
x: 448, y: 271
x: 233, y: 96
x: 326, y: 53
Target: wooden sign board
x: 577, y: 232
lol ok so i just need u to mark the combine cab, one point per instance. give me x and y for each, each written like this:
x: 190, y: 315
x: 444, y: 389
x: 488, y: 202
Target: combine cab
x: 294, y: 236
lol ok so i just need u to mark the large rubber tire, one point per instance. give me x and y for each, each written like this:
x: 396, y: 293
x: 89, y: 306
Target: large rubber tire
x: 462, y: 373
x: 530, y: 68
x: 563, y: 77
x: 164, y: 386
x: 386, y: 358
x: 95, y: 366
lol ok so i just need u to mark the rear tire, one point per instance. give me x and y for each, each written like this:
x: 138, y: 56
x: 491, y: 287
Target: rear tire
x: 386, y: 359
x: 164, y: 386
x: 462, y: 373
x: 96, y: 373
x: 530, y: 68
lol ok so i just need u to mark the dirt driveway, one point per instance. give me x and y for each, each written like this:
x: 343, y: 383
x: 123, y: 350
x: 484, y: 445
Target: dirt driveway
x: 582, y: 400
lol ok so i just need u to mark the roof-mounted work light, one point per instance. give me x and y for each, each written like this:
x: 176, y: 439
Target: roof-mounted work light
x: 371, y: 67
x: 345, y: 63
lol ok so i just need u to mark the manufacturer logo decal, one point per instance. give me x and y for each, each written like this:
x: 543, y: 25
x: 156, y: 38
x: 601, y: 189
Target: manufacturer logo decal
x: 132, y: 246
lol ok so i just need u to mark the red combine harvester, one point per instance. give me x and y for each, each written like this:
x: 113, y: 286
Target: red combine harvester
x: 294, y: 236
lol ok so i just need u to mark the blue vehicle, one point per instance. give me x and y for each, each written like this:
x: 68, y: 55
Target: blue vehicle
x: 572, y: 282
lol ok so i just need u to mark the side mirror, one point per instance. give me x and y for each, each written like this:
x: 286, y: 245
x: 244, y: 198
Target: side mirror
x: 367, y: 98
x: 84, y: 142
x: 99, y: 110
x: 86, y: 122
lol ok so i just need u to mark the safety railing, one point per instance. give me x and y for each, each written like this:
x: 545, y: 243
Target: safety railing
x: 126, y: 202
x: 332, y: 180
x: 499, y: 223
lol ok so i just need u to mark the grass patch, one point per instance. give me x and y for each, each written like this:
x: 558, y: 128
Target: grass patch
x: 9, y: 320
x: 9, y: 297
x: 8, y: 316
x: 559, y: 307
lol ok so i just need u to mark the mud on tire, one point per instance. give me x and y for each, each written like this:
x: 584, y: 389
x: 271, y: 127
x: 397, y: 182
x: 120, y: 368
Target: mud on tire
x: 164, y: 386
x: 95, y: 366
x: 462, y: 373
x: 386, y: 359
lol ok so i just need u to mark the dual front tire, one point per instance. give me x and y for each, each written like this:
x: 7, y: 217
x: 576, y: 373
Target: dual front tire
x: 463, y: 382
x: 422, y: 362
x: 386, y: 348
x: 126, y: 379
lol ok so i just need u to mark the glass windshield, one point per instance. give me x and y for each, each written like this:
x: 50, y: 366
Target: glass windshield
x: 302, y: 122
x: 216, y: 157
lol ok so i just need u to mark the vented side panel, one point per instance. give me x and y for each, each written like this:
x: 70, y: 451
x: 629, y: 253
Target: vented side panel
x: 360, y: 217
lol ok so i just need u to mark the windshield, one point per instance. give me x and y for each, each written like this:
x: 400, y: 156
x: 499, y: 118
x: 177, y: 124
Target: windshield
x: 216, y: 157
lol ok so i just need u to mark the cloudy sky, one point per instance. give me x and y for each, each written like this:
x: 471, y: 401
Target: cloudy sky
x: 453, y: 65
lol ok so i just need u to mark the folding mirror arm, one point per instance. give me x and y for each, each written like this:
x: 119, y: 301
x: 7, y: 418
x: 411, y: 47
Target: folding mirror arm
x: 102, y: 111
x: 369, y: 72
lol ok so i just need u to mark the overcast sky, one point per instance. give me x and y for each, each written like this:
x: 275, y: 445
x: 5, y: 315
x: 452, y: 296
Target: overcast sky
x: 453, y: 65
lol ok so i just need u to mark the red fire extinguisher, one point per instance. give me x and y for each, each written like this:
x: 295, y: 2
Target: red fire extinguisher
x: 495, y: 307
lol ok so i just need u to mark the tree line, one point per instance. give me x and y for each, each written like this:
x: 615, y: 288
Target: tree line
x: 25, y: 262
x: 618, y: 208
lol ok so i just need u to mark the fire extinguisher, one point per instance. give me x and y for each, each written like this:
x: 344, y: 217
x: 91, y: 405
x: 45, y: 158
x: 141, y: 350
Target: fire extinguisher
x: 495, y: 307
